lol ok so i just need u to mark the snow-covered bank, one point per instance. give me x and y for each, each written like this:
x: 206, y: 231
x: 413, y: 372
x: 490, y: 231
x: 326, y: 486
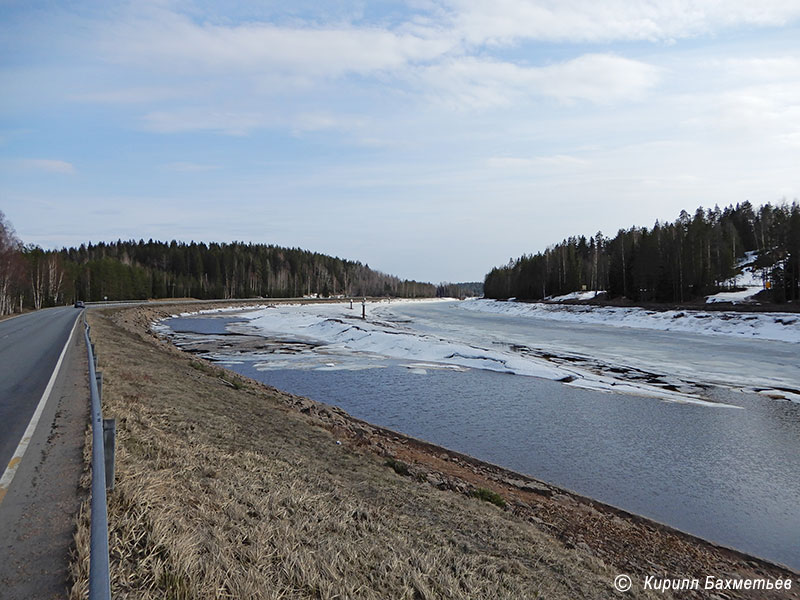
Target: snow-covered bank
x: 337, y: 338
x: 750, y: 279
x: 591, y: 295
x: 770, y: 326
x: 742, y: 296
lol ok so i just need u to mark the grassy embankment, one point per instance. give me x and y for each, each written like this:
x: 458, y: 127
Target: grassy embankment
x: 226, y: 488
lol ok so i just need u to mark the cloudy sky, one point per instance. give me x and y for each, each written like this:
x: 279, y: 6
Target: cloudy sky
x: 432, y: 139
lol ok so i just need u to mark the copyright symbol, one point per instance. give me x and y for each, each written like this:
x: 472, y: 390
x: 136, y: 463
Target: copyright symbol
x: 622, y: 583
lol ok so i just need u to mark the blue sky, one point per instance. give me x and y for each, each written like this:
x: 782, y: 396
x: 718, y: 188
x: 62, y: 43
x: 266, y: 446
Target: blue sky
x: 432, y: 139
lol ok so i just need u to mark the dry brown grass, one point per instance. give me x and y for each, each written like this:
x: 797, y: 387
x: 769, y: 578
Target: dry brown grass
x: 225, y: 493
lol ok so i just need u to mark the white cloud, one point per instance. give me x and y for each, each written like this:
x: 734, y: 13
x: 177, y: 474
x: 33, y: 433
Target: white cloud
x: 47, y: 165
x: 166, y: 40
x: 599, y: 78
x: 507, y: 21
x: 771, y: 111
x: 760, y: 117
x: 162, y: 38
x: 770, y: 68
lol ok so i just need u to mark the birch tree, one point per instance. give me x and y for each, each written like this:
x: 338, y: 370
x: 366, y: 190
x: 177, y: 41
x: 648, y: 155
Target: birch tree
x: 11, y: 270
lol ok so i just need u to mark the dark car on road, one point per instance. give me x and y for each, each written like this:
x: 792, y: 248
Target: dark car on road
x: 79, y: 304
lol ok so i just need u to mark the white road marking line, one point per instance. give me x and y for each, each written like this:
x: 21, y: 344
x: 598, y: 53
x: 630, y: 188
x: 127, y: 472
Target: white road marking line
x: 13, y: 464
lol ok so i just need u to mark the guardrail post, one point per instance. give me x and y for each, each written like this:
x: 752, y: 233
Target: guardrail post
x: 109, y: 447
x: 99, y: 378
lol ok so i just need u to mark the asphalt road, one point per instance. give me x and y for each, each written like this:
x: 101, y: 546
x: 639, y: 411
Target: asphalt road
x: 29, y: 349
x: 38, y: 508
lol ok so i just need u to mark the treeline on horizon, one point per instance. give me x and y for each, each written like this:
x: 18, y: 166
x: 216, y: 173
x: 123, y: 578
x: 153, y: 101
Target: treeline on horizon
x: 468, y: 289
x: 139, y: 270
x: 672, y: 262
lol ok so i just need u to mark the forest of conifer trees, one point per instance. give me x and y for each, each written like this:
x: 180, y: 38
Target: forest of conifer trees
x: 131, y: 270
x: 680, y: 261
x: 684, y: 260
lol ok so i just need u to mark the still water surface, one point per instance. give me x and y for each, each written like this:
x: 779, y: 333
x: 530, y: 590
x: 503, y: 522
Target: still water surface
x: 727, y: 475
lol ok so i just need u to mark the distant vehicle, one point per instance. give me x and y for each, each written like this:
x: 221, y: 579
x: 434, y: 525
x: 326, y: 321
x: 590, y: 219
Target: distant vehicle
x: 79, y: 304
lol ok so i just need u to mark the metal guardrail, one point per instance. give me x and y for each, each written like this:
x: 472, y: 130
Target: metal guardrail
x: 99, y: 579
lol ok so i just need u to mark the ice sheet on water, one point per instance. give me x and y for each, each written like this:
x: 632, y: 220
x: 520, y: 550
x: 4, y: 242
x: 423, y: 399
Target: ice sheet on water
x: 337, y: 330
x: 772, y: 326
x: 434, y: 366
x: 341, y: 330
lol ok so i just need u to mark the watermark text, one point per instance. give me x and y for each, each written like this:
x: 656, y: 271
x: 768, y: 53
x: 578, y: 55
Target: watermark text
x: 623, y: 583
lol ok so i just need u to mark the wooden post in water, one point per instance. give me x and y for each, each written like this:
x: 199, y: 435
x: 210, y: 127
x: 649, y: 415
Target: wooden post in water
x: 351, y: 304
x: 364, y: 309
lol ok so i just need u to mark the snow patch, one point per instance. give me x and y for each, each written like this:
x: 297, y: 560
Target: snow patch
x: 750, y: 278
x: 739, y: 297
x: 577, y: 296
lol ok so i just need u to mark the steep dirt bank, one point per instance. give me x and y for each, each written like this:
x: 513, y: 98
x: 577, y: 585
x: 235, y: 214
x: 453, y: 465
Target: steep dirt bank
x: 229, y: 488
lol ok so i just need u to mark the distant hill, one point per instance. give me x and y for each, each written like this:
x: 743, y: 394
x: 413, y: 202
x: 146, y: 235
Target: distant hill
x: 138, y: 270
x: 158, y: 269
